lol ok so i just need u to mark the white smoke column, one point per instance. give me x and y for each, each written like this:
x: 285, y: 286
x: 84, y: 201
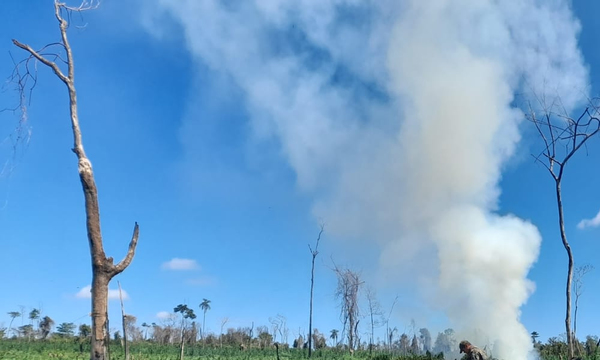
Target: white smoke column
x: 456, y: 66
x: 417, y: 172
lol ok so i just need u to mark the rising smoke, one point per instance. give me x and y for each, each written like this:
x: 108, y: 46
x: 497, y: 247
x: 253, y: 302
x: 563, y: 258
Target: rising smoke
x: 399, y: 117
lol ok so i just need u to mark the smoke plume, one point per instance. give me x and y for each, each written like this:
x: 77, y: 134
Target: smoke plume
x: 398, y: 117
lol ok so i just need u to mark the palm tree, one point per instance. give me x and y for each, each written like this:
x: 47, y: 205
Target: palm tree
x: 34, y: 314
x: 333, y: 336
x: 13, y: 315
x: 205, y: 306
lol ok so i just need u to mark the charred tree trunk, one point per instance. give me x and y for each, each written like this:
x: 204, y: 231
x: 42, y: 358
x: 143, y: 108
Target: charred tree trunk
x: 103, y: 268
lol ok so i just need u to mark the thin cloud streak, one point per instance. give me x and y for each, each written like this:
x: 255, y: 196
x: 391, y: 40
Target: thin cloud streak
x: 178, y: 264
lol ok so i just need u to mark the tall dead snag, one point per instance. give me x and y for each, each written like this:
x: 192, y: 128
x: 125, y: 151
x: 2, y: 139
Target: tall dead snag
x: 314, y: 254
x: 124, y: 321
x: 375, y: 315
x: 563, y: 136
x: 103, y: 268
x: 580, y: 272
x: 349, y: 284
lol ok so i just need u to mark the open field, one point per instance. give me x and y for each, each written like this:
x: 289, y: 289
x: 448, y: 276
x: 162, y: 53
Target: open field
x: 72, y: 350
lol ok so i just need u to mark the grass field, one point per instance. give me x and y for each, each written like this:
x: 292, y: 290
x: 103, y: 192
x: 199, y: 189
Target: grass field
x: 72, y: 350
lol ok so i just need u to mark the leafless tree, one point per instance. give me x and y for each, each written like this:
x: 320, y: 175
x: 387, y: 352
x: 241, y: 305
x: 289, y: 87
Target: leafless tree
x: 278, y: 325
x: 375, y: 314
x: 578, y: 274
x: 59, y: 57
x: 124, y: 320
x: 563, y: 136
x: 314, y: 254
x: 390, y: 332
x: 348, y: 287
x: 224, y: 322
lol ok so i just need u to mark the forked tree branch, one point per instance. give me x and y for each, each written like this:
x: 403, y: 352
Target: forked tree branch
x: 123, y: 264
x: 574, y: 133
x: 43, y: 60
x: 315, y: 252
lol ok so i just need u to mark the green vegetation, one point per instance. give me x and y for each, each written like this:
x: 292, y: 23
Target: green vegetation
x: 178, y: 336
x: 78, y: 347
x: 74, y: 349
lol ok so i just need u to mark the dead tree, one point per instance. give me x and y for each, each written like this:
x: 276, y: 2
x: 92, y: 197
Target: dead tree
x: 124, y: 321
x: 579, y: 273
x: 563, y: 136
x: 103, y: 267
x: 314, y: 254
x: 349, y: 284
x: 390, y: 332
x: 375, y: 315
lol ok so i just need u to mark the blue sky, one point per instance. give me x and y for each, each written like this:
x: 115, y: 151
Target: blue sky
x: 214, y: 132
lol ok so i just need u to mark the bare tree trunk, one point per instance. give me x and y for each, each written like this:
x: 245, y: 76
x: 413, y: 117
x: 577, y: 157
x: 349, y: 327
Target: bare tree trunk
x: 203, y: 323
x: 124, y: 320
x: 103, y: 268
x: 182, y: 344
x: 374, y: 310
x: 351, y: 332
x: 314, y: 254
x: 565, y: 242
x: 372, y: 330
x: 575, y: 317
x: 223, y: 323
x: 99, y: 318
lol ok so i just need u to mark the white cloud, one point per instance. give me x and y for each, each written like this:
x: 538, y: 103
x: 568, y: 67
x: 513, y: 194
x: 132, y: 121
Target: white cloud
x: 164, y: 315
x: 113, y: 294
x: 585, y: 223
x: 180, y: 264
